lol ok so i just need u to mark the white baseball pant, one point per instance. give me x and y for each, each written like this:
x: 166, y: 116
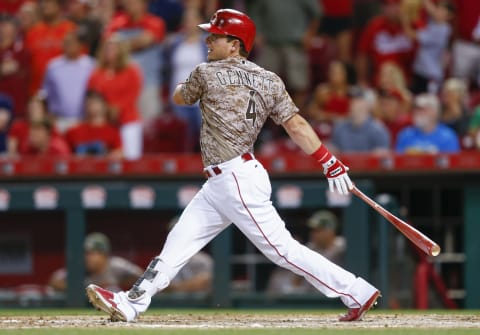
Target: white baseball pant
x: 241, y: 194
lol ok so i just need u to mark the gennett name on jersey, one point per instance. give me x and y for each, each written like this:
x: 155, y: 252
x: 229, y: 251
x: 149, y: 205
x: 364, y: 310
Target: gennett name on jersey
x: 240, y: 77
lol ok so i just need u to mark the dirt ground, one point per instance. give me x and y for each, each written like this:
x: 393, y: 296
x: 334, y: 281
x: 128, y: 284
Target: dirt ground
x: 247, y: 320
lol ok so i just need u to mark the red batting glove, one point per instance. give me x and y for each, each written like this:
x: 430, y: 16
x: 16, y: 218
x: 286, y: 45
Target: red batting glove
x: 334, y: 170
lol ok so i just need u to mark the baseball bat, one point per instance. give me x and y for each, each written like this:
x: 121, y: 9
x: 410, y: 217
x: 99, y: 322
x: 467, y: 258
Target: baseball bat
x: 420, y: 240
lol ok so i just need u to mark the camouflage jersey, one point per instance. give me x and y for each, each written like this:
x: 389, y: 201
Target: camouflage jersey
x: 236, y: 97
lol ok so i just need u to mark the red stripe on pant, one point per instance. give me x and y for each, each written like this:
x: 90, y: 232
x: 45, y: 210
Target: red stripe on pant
x: 278, y: 253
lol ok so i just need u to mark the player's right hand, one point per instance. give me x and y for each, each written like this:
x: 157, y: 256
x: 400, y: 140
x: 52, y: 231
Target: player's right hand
x: 336, y: 173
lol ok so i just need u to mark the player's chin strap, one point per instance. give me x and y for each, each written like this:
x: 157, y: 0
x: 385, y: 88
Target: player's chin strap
x: 153, y: 280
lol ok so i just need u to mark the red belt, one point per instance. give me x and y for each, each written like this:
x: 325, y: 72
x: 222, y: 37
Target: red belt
x: 216, y: 170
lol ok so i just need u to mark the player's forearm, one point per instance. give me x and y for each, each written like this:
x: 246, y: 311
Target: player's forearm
x: 302, y: 134
x: 177, y: 95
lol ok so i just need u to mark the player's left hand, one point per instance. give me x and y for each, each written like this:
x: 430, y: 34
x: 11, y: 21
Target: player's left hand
x: 336, y: 173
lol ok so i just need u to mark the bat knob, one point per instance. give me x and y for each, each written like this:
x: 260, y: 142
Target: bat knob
x: 435, y: 250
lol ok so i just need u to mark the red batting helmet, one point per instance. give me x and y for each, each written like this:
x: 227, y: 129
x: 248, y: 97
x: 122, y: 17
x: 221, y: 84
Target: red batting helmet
x: 234, y: 23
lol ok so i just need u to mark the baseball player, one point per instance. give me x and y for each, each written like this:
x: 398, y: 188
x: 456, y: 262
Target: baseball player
x: 236, y: 97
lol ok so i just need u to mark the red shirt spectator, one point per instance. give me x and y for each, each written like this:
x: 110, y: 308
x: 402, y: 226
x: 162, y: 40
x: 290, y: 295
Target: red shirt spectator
x: 45, y: 40
x: 42, y: 142
x: 120, y: 82
x: 95, y: 135
x: 330, y: 100
x: 105, y: 136
x: 18, y: 133
x: 143, y: 33
x: 14, y: 66
x: 121, y: 89
x: 383, y: 40
x: 56, y: 147
x: 20, y: 129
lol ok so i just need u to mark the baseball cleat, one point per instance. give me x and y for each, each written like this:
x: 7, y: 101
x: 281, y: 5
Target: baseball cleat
x: 356, y: 314
x: 114, y: 304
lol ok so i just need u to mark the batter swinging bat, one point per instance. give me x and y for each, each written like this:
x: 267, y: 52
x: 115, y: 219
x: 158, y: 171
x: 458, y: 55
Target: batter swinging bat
x: 420, y: 240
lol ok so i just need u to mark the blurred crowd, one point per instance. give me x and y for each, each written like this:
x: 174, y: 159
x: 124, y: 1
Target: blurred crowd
x: 94, y: 77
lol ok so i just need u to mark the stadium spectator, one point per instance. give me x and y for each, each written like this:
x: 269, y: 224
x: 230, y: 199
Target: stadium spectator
x: 390, y: 110
x: 143, y: 33
x: 360, y: 132
x: 14, y: 65
x: 337, y: 24
x: 432, y: 39
x: 394, y: 99
x: 392, y: 79
x: 183, y: 51
x: 64, y: 95
x: 18, y: 134
x: 323, y: 236
x: 282, y: 46
x: 455, y: 113
x: 28, y: 15
x: 330, y: 101
x: 95, y: 136
x: 6, y: 115
x: 44, y: 40
x: 120, y: 82
x: 427, y: 135
x: 466, y: 47
x: 89, y: 26
x: 112, y: 272
x: 383, y: 40
x: 43, y: 141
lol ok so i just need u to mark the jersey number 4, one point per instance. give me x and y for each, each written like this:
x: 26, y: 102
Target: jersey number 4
x: 251, y: 113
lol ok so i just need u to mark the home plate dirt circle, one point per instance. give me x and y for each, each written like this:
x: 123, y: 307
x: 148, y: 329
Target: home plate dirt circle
x: 248, y: 320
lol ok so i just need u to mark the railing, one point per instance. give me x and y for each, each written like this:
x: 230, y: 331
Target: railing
x: 182, y: 165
